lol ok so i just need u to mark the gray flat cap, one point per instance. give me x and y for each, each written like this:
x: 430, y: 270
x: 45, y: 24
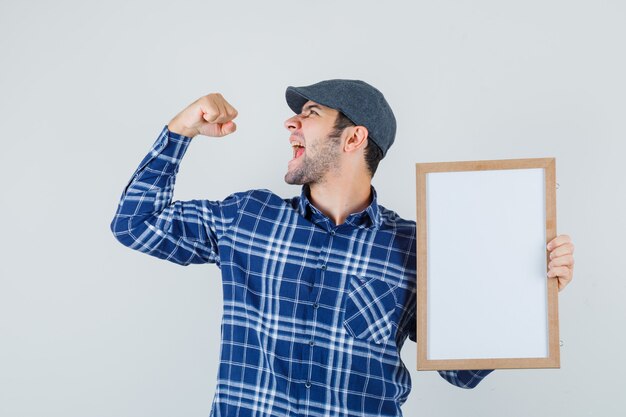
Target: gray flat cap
x: 363, y: 104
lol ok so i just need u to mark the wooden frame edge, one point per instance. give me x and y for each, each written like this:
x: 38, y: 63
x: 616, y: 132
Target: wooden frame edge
x: 422, y: 265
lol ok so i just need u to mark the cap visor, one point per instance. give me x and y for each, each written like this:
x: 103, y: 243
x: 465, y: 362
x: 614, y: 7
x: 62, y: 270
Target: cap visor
x: 295, y: 99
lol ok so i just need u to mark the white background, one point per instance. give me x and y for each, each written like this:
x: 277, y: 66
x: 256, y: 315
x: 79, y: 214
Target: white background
x: 91, y: 328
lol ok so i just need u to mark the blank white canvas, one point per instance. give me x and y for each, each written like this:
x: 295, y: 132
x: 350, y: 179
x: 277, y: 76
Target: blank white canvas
x: 487, y: 295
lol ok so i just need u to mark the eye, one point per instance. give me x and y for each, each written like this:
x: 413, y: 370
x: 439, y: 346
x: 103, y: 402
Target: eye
x: 309, y: 113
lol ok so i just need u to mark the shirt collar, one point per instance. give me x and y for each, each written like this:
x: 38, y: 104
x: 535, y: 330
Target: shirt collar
x: 368, y: 218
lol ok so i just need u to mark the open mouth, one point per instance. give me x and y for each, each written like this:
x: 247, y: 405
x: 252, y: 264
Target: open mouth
x: 298, y: 150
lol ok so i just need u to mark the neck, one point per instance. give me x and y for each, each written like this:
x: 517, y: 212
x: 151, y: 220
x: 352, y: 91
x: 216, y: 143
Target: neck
x: 341, y: 196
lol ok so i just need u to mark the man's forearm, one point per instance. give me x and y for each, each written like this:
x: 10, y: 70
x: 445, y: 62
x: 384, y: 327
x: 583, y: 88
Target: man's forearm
x: 145, y: 213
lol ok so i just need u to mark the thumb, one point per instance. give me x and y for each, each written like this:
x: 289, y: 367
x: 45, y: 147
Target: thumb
x: 228, y: 128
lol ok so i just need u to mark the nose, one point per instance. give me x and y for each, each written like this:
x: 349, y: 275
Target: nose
x: 293, y: 123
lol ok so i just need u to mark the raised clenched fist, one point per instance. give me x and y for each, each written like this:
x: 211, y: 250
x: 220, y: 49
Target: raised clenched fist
x: 210, y: 115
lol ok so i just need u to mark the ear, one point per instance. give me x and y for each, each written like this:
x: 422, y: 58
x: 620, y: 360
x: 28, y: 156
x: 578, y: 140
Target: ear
x: 357, y: 138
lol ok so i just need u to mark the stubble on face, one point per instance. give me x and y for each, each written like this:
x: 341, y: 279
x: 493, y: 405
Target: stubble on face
x: 319, y: 160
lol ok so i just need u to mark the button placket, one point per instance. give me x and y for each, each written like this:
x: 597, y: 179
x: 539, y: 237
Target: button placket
x: 322, y: 268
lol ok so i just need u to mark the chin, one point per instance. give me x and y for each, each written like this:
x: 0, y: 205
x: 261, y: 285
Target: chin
x: 292, y: 182
x: 293, y: 178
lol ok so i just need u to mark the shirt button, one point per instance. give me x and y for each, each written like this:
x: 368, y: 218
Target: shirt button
x: 311, y: 343
x: 307, y: 384
x: 316, y: 305
x: 332, y: 233
x: 323, y: 267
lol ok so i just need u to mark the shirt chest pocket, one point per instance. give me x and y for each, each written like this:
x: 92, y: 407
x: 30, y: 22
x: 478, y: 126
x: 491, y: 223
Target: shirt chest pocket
x: 369, y: 307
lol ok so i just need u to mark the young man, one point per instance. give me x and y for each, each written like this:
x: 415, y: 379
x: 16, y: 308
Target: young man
x: 319, y: 289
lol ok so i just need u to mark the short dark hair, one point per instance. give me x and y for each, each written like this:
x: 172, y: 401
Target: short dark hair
x: 373, y: 154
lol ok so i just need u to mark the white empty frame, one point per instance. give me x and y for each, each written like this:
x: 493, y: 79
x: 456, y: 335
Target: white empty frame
x: 483, y: 299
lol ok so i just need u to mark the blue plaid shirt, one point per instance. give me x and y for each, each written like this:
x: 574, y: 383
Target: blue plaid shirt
x: 315, y: 314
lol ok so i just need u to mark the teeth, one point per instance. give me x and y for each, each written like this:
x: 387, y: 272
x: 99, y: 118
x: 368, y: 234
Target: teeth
x: 295, y: 147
